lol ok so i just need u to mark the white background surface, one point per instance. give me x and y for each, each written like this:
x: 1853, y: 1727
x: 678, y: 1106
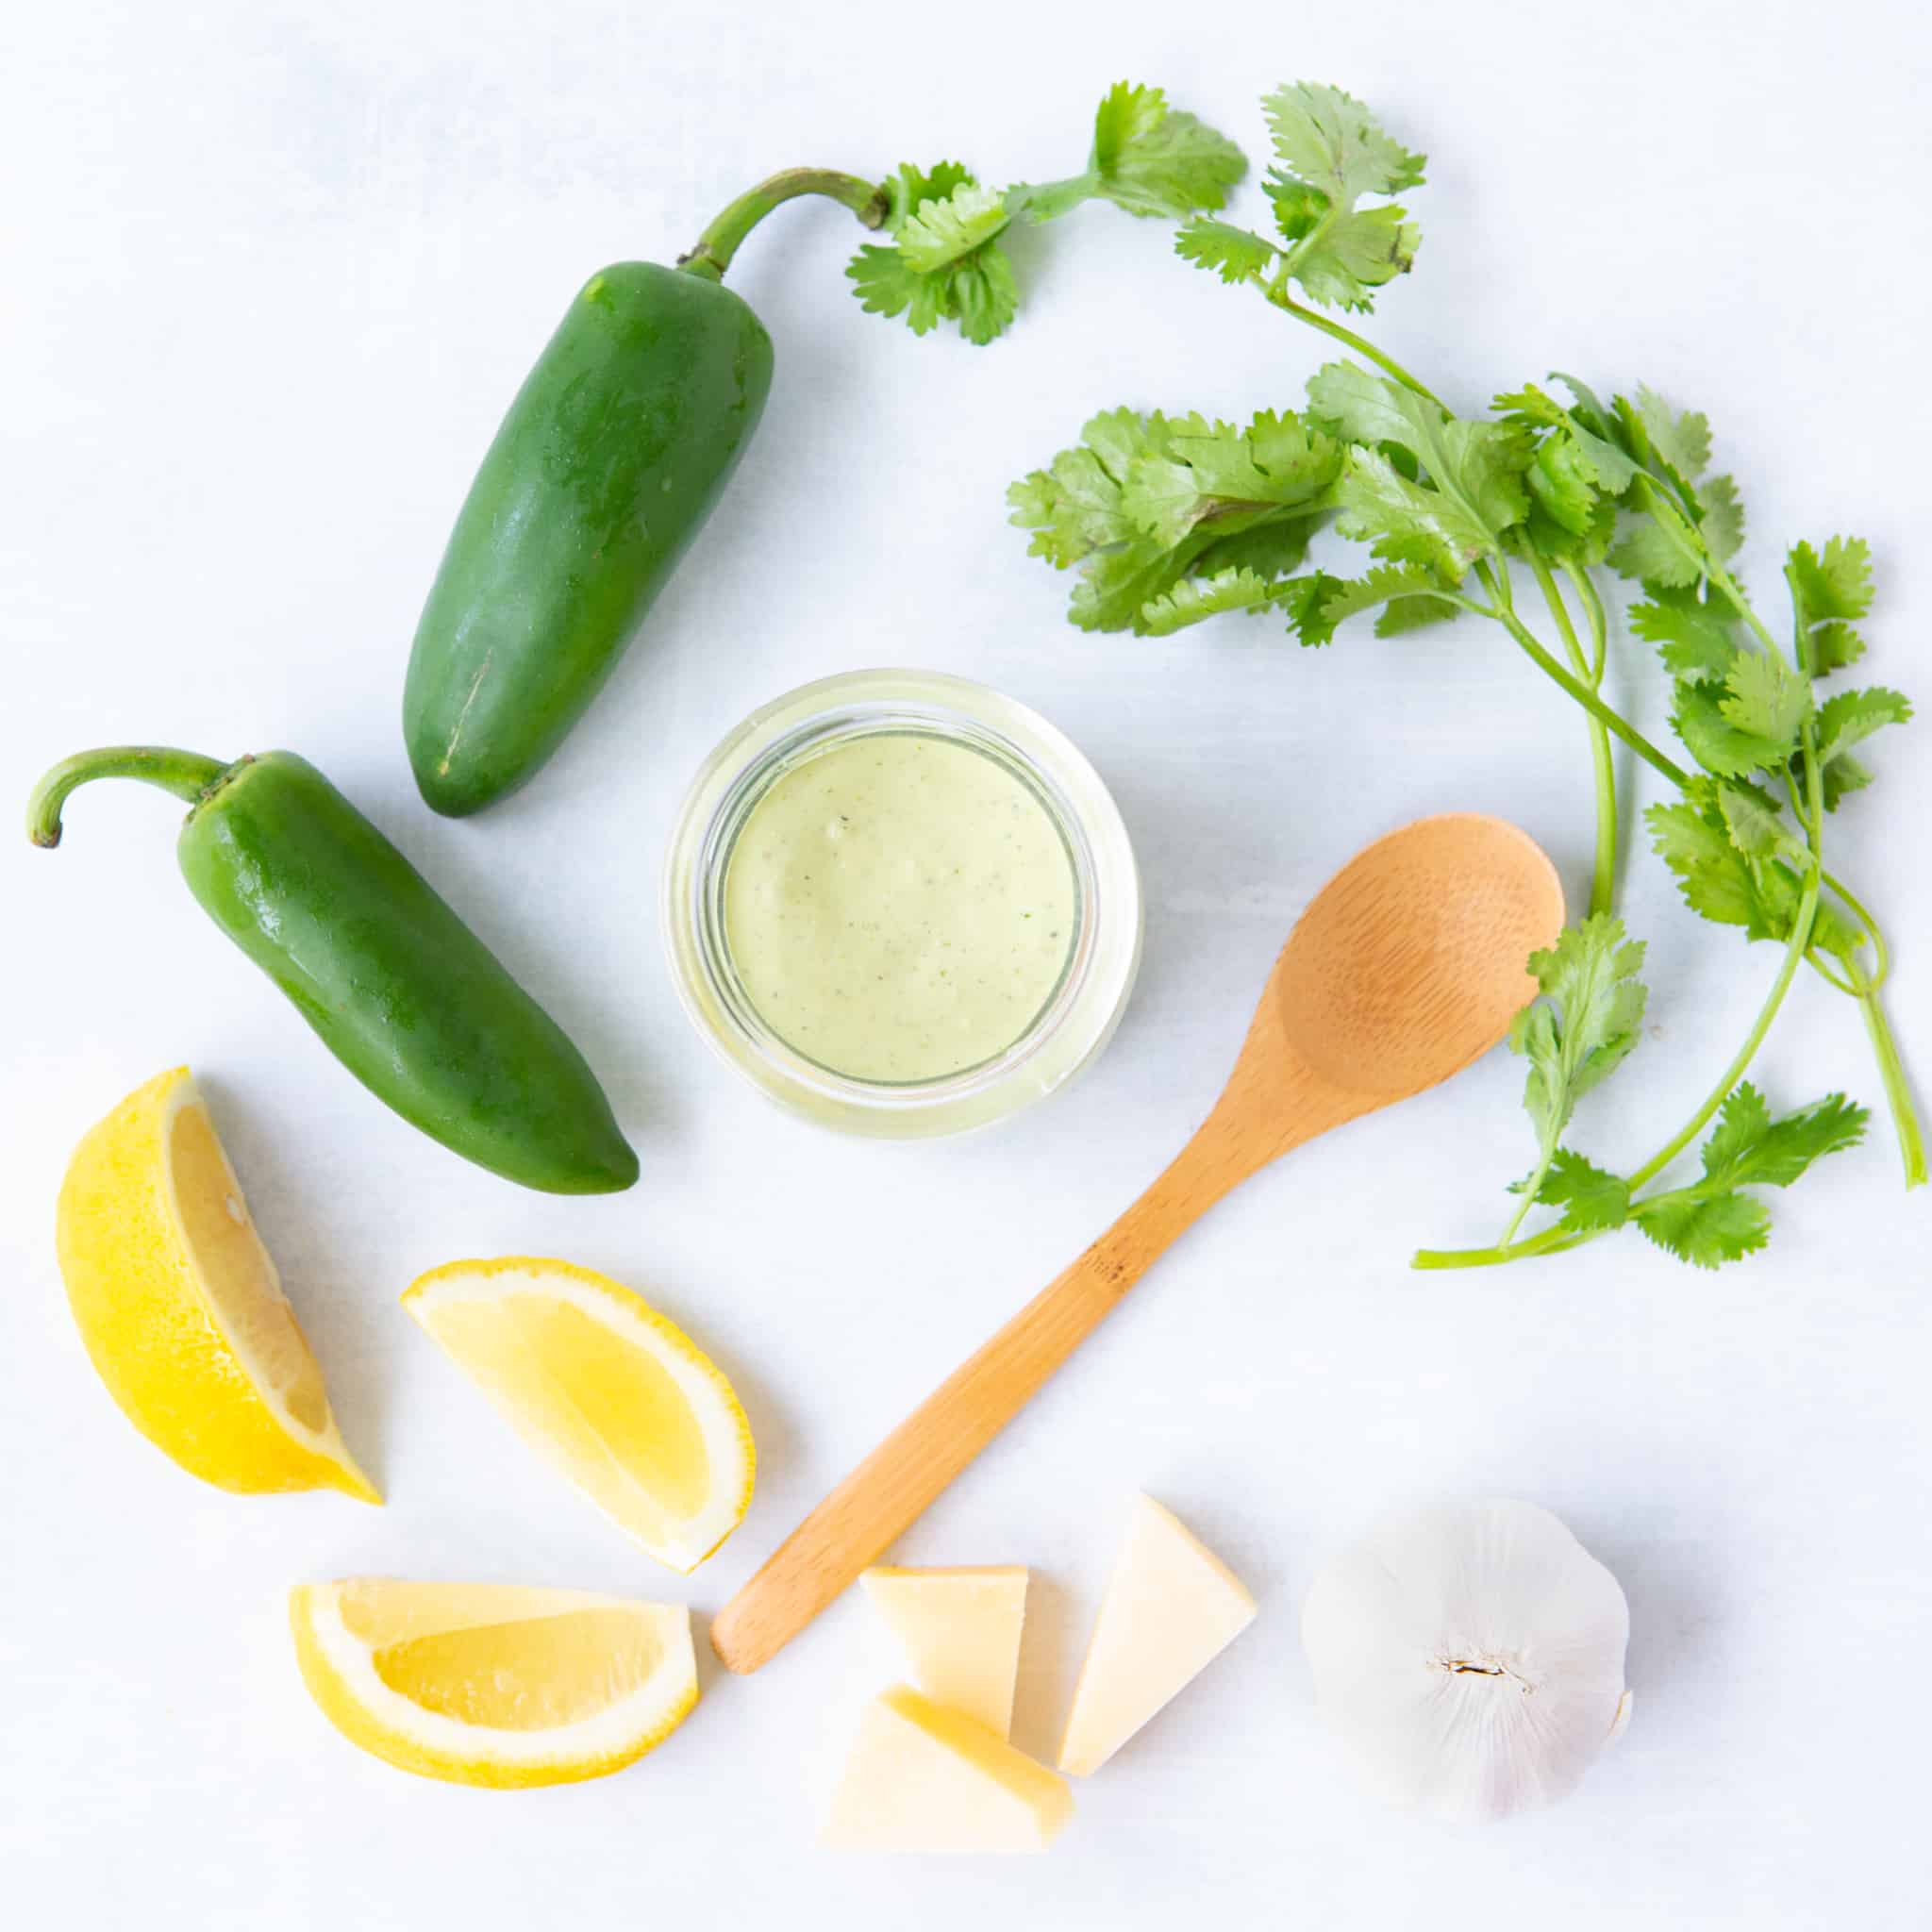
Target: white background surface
x: 273, y: 272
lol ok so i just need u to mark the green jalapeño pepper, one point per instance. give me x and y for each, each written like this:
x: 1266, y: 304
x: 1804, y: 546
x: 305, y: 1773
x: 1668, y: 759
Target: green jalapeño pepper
x: 612, y: 454
x: 400, y: 989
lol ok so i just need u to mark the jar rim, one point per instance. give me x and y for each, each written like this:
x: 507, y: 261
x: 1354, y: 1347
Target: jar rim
x: 1062, y: 1037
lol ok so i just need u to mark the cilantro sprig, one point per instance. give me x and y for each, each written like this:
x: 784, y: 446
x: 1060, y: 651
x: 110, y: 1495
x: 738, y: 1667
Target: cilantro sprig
x: 941, y: 258
x: 943, y: 261
x: 1170, y: 520
x: 1329, y: 153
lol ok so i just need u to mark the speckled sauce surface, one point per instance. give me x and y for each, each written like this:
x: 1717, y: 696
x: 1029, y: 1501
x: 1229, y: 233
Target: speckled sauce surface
x: 899, y: 907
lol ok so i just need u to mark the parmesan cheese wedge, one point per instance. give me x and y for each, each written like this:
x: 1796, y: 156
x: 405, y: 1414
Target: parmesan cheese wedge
x: 922, y: 1778
x: 1173, y: 1606
x: 961, y: 1632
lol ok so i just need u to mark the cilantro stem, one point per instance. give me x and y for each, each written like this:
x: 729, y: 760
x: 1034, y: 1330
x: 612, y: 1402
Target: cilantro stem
x: 1278, y: 294
x: 1603, y: 882
x: 1599, y: 619
x: 1743, y: 605
x: 1898, y: 1091
x: 1553, y: 1241
x: 1613, y: 719
x: 1874, y: 935
x: 712, y: 254
x: 1740, y: 1063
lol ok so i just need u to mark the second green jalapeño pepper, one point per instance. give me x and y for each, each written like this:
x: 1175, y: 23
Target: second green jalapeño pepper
x: 400, y: 989
x: 611, y: 457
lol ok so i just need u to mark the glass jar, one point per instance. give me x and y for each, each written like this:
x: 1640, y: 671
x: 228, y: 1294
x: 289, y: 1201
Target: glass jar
x: 1078, y: 1017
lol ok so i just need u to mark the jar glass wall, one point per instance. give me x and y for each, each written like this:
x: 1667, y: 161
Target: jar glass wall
x: 1079, y: 1011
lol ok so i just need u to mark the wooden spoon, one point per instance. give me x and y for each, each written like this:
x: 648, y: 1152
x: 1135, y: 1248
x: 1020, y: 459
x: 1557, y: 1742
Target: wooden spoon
x: 1408, y: 966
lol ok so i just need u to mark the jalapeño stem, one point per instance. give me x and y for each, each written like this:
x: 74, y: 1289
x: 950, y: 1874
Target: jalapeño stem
x: 715, y: 247
x: 186, y: 774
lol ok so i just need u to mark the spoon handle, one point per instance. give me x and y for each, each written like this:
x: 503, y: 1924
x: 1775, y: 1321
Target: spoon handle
x: 892, y: 1487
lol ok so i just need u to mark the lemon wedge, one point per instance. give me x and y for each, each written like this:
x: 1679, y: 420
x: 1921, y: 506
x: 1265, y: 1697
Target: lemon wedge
x: 606, y: 1388
x: 180, y: 1306
x: 490, y: 1684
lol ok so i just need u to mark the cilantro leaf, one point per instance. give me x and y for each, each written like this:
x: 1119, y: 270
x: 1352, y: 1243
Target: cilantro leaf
x: 908, y: 188
x: 1563, y: 482
x: 1700, y: 522
x: 1401, y: 615
x: 1694, y: 842
x: 886, y: 283
x: 1574, y: 481
x: 944, y: 263
x: 1074, y: 505
x: 1388, y: 589
x: 1195, y: 599
x: 1152, y: 160
x: 985, y: 294
x: 1236, y: 255
x: 1853, y: 716
x: 1146, y: 502
x: 1607, y: 466
x: 1218, y: 471
x: 1766, y: 699
x: 1407, y: 523
x: 1718, y: 744
x: 1074, y: 509
x: 1710, y: 1222
x: 1330, y: 152
x: 1117, y: 585
x: 1753, y: 821
x: 1476, y: 468
x: 1306, y: 601
x: 1338, y: 264
x: 1722, y: 529
x: 1682, y: 442
x: 1328, y: 140
x: 1583, y: 1023
x: 1657, y: 546
x: 1832, y: 589
x: 1147, y: 157
x: 1705, y: 1230
x: 1695, y: 637
x: 1718, y: 881
x: 1749, y: 1148
x: 1844, y: 721
x: 1592, y: 1201
x: 1749, y: 721
x: 937, y: 232
x: 1272, y: 548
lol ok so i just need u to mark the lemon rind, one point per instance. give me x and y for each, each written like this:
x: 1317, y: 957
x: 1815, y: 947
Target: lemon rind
x: 235, y: 1437
x: 339, y: 1671
x: 721, y: 1417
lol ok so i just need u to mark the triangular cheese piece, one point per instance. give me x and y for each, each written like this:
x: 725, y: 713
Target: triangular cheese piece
x: 961, y: 1632
x: 921, y: 1779
x: 1173, y: 1606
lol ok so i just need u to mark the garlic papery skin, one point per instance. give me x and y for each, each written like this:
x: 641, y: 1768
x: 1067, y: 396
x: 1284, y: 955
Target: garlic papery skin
x: 1471, y: 1657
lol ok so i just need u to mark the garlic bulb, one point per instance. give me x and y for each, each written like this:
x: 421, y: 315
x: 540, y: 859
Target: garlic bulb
x: 1472, y: 1655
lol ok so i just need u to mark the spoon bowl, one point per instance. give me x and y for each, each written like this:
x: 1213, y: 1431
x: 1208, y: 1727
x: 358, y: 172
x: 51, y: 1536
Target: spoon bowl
x: 1406, y: 966
x: 1409, y: 962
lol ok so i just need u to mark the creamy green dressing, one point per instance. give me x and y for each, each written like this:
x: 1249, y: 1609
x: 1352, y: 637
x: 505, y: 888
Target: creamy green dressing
x: 899, y: 907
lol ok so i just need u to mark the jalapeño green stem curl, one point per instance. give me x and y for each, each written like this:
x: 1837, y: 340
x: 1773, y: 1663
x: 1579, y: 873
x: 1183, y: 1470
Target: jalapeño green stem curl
x: 186, y: 774
x: 719, y: 243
